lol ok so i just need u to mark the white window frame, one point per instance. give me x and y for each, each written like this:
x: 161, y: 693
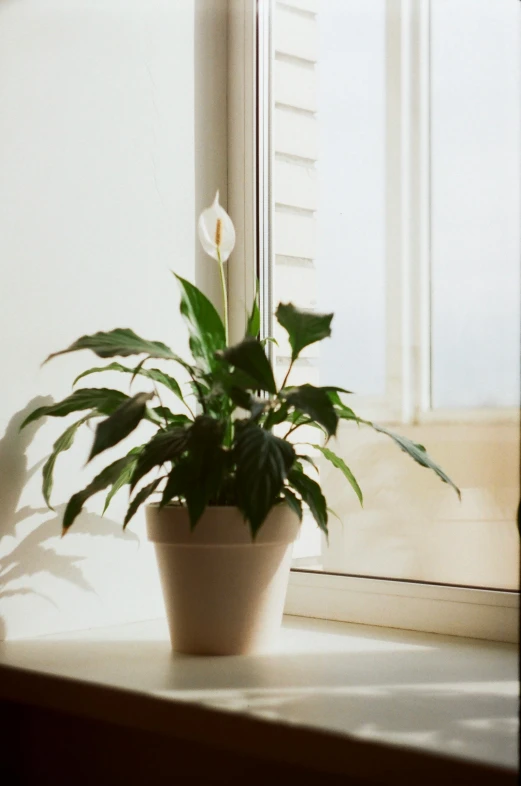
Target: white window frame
x: 462, y: 611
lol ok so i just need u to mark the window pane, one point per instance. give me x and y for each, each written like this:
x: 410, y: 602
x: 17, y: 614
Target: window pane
x: 329, y: 183
x: 476, y: 166
x: 331, y: 111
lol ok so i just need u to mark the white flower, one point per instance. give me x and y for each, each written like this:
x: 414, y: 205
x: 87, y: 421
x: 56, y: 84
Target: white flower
x: 216, y: 231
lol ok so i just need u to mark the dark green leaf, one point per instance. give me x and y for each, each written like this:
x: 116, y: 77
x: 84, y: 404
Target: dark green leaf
x: 63, y: 443
x: 120, y: 424
x: 277, y: 416
x: 150, y: 373
x: 206, y: 327
x: 173, y: 419
x: 346, y: 413
x: 309, y: 461
x: 246, y: 400
x: 263, y: 462
x: 108, y: 476
x: 103, y: 400
x: 164, y: 446
x: 293, y: 501
x: 226, y: 380
x: 176, y: 484
x: 417, y: 452
x: 139, y: 369
x: 206, y: 463
x: 142, y: 495
x: 334, y: 389
x: 241, y: 398
x: 303, y: 327
x: 312, y: 495
x: 249, y: 357
x: 253, y: 325
x: 125, y: 477
x: 120, y: 342
x: 316, y: 403
x: 340, y: 464
x: 298, y: 419
x: 199, y: 475
x: 343, y: 412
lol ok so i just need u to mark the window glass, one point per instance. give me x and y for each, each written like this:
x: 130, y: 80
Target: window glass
x: 338, y: 150
x: 329, y: 169
x: 476, y: 209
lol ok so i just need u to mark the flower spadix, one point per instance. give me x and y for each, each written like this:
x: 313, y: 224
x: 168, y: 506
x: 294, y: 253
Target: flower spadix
x: 216, y: 231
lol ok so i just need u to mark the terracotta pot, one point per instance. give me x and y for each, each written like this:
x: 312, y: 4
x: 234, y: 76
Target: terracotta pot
x: 224, y: 594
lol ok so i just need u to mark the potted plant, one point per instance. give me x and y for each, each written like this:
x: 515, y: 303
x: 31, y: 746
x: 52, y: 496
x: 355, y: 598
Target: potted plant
x: 229, y: 484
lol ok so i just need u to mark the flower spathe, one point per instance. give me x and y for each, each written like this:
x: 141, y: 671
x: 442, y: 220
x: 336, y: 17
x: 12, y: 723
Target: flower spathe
x: 216, y: 231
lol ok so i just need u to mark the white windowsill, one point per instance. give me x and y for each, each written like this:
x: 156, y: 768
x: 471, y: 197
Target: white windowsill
x: 469, y: 612
x: 338, y: 697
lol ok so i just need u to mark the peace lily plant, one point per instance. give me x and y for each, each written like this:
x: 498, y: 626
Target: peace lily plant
x: 216, y: 446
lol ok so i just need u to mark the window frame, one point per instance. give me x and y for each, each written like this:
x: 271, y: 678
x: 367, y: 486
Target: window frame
x: 449, y: 609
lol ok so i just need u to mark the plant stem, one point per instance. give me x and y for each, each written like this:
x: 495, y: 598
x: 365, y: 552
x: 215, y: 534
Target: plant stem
x: 294, y: 428
x: 225, y: 295
x: 287, y: 375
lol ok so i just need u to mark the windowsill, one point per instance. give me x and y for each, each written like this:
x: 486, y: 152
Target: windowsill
x: 387, y: 705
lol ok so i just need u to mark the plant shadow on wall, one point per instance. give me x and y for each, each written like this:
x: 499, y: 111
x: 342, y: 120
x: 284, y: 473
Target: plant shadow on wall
x: 22, y: 559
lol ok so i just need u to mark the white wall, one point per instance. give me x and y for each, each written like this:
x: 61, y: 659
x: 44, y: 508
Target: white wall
x: 99, y: 191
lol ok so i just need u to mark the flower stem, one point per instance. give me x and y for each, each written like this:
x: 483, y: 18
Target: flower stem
x: 225, y: 295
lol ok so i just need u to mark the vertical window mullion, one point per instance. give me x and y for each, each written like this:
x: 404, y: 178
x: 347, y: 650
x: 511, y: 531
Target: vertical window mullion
x: 393, y: 208
x: 414, y: 199
x: 425, y: 392
x: 264, y: 167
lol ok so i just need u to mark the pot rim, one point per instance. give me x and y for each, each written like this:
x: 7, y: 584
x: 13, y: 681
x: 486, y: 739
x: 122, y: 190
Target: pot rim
x: 219, y: 525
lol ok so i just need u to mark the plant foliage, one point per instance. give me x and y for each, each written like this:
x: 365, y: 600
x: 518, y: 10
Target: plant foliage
x: 228, y: 440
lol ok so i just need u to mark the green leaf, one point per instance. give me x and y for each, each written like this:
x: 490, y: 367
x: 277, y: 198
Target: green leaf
x: 312, y: 495
x: 176, y: 483
x: 150, y: 373
x: 139, y: 368
x: 263, y: 462
x: 124, y: 479
x: 343, y: 412
x: 120, y: 424
x: 246, y: 400
x: 142, y: 495
x: 200, y: 474
x: 334, y: 389
x: 309, y: 461
x: 316, y: 403
x: 164, y: 446
x: 253, y: 325
x: 249, y: 357
x: 172, y: 418
x: 108, y: 476
x: 207, y: 335
x: 340, y: 464
x: 293, y: 501
x: 276, y: 416
x: 104, y: 400
x: 417, y: 452
x: 269, y: 340
x: 120, y: 342
x: 206, y: 463
x: 63, y: 443
x: 303, y: 327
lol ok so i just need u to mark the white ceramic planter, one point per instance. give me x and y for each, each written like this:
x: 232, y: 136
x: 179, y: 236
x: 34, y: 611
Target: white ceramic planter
x: 224, y: 594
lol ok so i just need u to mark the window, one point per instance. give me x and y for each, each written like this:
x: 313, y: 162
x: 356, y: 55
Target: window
x: 365, y: 177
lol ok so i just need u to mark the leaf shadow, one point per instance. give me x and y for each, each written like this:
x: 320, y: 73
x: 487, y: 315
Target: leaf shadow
x: 22, y: 559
